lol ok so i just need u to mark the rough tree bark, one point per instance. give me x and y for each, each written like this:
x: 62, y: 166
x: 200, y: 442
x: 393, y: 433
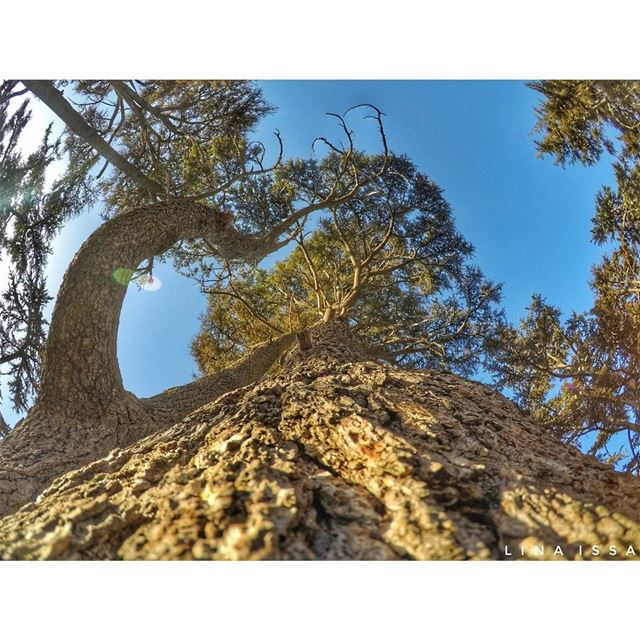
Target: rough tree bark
x: 83, y: 410
x: 337, y: 457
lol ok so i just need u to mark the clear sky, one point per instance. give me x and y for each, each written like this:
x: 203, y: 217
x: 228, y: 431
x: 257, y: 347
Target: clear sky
x: 528, y: 219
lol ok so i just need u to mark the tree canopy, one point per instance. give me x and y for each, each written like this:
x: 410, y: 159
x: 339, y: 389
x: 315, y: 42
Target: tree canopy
x: 580, y: 375
x: 31, y: 213
x: 391, y: 264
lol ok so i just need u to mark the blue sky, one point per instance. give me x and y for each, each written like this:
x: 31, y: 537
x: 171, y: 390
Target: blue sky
x: 528, y: 219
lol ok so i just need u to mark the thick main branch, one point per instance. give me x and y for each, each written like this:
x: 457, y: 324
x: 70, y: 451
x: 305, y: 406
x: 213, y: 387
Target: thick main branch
x: 175, y: 403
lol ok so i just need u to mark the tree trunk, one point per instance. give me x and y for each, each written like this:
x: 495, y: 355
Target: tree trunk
x: 338, y: 458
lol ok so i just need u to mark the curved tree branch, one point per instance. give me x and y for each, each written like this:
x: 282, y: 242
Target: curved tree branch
x: 80, y: 374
